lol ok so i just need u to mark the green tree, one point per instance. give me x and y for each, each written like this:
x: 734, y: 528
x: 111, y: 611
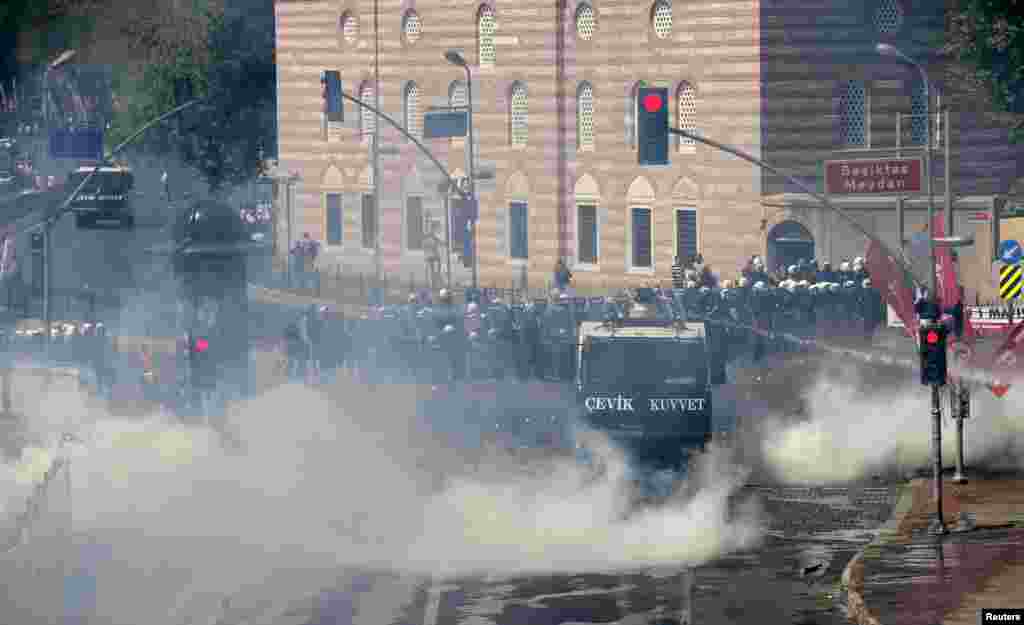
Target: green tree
x: 984, y: 42
x: 222, y: 136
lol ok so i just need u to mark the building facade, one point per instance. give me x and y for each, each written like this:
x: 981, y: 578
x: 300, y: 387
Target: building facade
x: 554, y: 107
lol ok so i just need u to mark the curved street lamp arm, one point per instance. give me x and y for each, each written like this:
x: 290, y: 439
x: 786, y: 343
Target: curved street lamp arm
x: 803, y: 187
x: 135, y: 135
x: 423, y: 148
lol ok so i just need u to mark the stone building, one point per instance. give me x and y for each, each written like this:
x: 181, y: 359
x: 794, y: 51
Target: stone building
x: 553, y: 86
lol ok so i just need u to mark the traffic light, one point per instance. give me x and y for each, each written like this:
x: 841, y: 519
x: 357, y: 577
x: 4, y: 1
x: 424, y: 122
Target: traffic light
x: 652, y: 125
x: 933, y: 354
x: 201, y: 365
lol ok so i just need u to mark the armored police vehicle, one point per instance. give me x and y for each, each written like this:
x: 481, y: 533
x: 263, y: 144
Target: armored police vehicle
x: 644, y: 378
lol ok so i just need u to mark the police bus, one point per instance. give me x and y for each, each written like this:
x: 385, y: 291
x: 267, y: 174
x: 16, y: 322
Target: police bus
x: 104, y: 203
x: 644, y: 378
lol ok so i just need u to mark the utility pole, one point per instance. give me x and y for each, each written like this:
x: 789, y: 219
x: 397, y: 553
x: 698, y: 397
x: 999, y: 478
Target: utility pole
x: 378, y: 261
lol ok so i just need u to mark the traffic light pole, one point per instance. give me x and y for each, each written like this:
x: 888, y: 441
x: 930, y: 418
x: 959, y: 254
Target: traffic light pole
x: 897, y: 258
x: 49, y: 221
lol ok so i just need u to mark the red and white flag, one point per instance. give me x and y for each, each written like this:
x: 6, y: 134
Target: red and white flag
x: 894, y: 284
x: 1008, y: 361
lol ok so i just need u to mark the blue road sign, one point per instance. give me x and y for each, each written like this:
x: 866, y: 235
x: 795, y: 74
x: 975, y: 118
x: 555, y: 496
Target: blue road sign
x: 1010, y: 252
x: 77, y: 143
x: 438, y: 124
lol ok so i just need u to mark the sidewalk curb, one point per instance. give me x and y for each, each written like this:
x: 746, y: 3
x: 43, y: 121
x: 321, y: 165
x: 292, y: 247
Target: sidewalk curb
x: 853, y: 574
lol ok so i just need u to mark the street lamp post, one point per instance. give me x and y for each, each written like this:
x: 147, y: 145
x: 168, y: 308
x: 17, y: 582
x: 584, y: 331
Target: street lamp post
x: 886, y: 49
x: 455, y: 58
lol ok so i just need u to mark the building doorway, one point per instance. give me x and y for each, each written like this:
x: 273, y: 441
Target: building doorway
x: 789, y: 242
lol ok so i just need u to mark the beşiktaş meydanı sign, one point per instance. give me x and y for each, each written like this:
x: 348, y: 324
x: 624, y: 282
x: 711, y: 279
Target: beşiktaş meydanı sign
x: 620, y: 403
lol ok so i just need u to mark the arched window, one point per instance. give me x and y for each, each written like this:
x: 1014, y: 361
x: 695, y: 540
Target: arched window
x: 411, y: 108
x: 686, y: 103
x: 411, y: 27
x: 485, y: 28
x: 367, y: 120
x: 632, y: 108
x: 853, y: 113
x: 661, y: 19
x: 918, y: 115
x: 518, y: 115
x: 888, y: 16
x: 586, y: 22
x: 585, y: 117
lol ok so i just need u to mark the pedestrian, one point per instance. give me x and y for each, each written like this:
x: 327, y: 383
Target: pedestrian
x: 296, y: 352
x: 562, y: 275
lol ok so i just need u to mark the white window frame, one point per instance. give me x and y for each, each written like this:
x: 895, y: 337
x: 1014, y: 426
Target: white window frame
x: 327, y: 222
x: 579, y: 265
x: 633, y: 113
x: 483, y: 9
x: 867, y: 115
x: 509, y: 231
x: 629, y: 250
x: 362, y: 224
x: 452, y: 86
x: 511, y: 116
x: 592, y: 146
x: 685, y: 145
x: 365, y: 130
x: 411, y: 122
x: 675, y: 226
x: 405, y: 223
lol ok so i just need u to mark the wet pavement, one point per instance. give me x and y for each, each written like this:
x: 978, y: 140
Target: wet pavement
x: 792, y: 578
x: 919, y: 582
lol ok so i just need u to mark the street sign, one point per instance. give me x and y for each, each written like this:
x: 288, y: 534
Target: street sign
x: 1010, y: 252
x: 82, y: 144
x: 876, y: 176
x: 440, y: 124
x: 1010, y: 282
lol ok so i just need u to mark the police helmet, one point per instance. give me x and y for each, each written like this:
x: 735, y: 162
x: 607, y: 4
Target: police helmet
x: 726, y: 293
x: 444, y: 295
x: 760, y: 286
x: 412, y: 298
x: 792, y: 269
x: 448, y: 329
x: 844, y: 266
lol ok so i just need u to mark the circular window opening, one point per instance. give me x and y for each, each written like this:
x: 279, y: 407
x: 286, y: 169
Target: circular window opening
x: 411, y: 27
x: 586, y: 22
x: 888, y: 16
x: 661, y: 19
x: 349, y: 27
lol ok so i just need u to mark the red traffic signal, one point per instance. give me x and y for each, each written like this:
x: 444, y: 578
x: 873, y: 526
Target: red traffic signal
x: 932, y: 337
x: 653, y: 103
x: 200, y: 345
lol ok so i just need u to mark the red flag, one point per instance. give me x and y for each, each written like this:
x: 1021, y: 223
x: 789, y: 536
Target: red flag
x: 949, y: 296
x: 896, y: 287
x: 1008, y: 361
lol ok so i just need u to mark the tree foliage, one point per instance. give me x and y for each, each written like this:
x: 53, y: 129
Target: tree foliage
x: 235, y: 80
x: 985, y: 42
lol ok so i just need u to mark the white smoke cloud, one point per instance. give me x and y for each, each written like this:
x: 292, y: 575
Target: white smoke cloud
x: 316, y: 484
x: 856, y: 427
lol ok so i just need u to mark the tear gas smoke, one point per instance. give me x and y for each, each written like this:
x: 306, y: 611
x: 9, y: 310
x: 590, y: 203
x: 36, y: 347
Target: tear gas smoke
x: 316, y: 486
x: 856, y: 428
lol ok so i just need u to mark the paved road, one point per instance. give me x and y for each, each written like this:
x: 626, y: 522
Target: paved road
x: 807, y: 527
